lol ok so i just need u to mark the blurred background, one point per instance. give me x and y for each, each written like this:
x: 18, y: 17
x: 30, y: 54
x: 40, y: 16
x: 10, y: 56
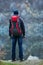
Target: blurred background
x: 31, y: 11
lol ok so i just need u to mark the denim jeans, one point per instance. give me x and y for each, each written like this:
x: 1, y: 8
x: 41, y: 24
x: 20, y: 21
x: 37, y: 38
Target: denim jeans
x: 14, y: 40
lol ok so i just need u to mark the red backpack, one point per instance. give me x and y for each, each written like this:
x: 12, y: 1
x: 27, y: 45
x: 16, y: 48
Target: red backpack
x: 15, y: 26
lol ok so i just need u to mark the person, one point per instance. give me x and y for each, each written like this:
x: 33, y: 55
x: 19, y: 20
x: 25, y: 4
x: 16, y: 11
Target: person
x: 18, y: 38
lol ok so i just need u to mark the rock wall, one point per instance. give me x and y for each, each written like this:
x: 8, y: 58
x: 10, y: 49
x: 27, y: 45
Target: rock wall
x: 33, y: 21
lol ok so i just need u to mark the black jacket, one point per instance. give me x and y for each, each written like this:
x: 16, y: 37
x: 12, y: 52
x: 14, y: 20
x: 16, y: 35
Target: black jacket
x: 21, y: 24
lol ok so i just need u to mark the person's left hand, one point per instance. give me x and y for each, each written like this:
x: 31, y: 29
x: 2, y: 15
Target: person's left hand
x: 23, y: 36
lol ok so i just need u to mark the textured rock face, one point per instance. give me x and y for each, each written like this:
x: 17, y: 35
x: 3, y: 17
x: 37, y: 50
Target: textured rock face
x: 33, y: 20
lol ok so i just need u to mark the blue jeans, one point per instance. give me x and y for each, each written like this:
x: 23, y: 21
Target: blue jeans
x: 14, y: 40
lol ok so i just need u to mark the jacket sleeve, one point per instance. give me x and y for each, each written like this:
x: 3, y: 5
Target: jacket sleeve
x: 9, y: 27
x: 22, y: 27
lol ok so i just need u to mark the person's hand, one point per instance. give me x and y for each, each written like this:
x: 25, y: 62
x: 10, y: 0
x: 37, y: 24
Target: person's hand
x: 23, y: 36
x: 9, y: 37
x: 12, y: 35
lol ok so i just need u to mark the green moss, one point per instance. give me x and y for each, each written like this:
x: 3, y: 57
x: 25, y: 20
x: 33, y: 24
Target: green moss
x: 4, y: 63
x: 22, y: 63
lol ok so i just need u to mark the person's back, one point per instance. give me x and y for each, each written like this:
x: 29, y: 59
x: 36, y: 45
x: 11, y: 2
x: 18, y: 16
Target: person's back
x: 16, y: 32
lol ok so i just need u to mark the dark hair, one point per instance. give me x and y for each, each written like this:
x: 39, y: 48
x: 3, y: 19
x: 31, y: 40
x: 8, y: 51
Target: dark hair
x: 16, y: 12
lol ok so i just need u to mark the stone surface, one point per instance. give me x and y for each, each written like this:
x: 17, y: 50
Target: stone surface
x: 33, y: 21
